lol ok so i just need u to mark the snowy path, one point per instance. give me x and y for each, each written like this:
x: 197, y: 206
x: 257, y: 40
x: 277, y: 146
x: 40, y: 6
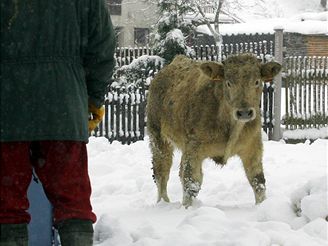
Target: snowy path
x: 124, y: 198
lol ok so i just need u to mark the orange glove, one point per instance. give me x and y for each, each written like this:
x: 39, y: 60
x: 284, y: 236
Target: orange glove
x: 97, y: 116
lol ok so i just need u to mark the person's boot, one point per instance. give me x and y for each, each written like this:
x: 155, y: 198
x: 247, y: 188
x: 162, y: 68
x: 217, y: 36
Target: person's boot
x: 13, y: 235
x: 75, y: 232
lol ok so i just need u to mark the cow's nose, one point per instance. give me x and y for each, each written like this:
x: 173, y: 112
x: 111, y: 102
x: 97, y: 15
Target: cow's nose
x: 245, y: 114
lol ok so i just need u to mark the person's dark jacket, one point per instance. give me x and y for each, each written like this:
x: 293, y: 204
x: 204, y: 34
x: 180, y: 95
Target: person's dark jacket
x: 56, y: 55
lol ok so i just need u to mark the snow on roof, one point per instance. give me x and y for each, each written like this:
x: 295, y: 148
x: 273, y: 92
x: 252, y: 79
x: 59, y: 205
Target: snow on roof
x: 224, y: 18
x: 307, y: 23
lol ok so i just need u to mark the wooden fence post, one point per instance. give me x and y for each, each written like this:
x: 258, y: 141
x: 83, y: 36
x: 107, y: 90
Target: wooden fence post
x: 278, y: 54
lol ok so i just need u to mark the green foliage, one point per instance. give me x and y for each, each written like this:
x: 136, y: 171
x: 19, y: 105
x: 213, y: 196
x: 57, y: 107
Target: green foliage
x: 172, y: 29
x: 172, y: 48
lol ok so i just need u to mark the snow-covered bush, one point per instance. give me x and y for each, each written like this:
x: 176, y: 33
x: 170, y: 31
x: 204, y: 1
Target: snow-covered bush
x: 172, y: 30
x: 139, y: 72
x: 173, y: 44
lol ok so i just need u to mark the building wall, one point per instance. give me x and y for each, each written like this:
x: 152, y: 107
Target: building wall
x: 135, y: 14
x: 317, y: 45
x: 295, y: 44
x: 306, y: 45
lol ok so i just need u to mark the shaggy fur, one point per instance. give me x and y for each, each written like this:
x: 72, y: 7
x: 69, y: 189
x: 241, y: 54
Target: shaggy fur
x: 207, y: 109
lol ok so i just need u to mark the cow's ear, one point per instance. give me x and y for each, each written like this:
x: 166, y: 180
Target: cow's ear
x: 269, y: 70
x: 213, y: 70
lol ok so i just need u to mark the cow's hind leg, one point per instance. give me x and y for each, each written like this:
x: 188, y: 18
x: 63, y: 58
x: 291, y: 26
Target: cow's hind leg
x: 254, y: 172
x: 191, y: 176
x: 162, y: 152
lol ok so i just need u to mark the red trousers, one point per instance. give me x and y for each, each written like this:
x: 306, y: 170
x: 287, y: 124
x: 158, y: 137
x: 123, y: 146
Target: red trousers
x: 62, y: 167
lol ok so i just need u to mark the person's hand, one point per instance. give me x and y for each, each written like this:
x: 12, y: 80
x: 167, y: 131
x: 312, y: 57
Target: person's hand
x: 97, y: 116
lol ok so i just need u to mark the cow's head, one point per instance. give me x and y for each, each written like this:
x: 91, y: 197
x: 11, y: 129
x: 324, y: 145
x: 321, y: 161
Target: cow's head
x: 241, y: 77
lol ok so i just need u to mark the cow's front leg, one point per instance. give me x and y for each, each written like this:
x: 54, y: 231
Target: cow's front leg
x: 191, y: 176
x: 252, y: 162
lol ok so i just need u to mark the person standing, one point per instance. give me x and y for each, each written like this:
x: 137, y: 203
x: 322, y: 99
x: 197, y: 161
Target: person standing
x: 57, y: 58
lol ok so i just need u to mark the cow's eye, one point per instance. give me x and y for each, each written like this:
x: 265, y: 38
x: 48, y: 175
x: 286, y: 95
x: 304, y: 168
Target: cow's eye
x: 228, y: 83
x: 257, y: 83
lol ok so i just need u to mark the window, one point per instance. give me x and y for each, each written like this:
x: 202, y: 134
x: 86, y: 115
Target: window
x: 119, y: 36
x: 115, y: 7
x: 141, y: 36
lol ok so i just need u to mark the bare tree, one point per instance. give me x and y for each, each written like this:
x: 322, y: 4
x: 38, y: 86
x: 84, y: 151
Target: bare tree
x: 200, y: 9
x: 324, y: 4
x: 217, y: 6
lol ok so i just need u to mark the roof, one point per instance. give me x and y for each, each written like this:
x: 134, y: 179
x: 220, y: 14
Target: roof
x: 306, y: 23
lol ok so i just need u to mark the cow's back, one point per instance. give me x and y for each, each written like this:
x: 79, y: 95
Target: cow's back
x: 171, y: 86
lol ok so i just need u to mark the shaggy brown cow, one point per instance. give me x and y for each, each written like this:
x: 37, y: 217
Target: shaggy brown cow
x: 207, y: 109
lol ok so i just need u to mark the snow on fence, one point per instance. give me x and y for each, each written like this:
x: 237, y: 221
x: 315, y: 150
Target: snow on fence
x: 263, y: 49
x: 125, y: 55
x: 306, y: 81
x: 124, y: 118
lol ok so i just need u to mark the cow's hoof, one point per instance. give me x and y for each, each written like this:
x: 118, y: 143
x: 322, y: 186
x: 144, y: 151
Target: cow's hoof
x: 259, y: 197
x: 187, y: 201
x: 163, y: 198
x: 187, y: 204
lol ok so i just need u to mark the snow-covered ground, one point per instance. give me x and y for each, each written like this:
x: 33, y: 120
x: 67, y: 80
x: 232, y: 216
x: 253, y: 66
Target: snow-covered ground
x: 294, y: 214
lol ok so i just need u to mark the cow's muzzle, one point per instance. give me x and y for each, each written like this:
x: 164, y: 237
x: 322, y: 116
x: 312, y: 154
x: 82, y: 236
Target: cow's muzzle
x: 244, y: 114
